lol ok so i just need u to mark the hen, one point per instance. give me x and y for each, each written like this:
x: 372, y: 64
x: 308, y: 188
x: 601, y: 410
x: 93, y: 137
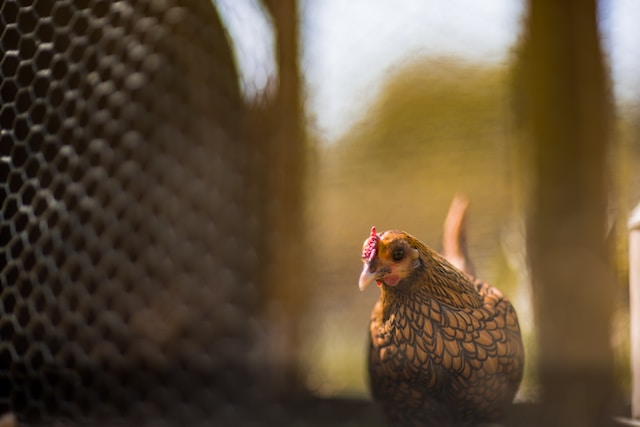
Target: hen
x: 444, y: 350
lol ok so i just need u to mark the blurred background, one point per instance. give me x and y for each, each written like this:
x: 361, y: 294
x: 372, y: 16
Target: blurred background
x: 286, y: 129
x: 405, y: 106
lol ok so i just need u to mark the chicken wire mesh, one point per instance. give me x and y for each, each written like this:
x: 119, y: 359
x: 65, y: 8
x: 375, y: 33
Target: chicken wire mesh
x: 129, y: 240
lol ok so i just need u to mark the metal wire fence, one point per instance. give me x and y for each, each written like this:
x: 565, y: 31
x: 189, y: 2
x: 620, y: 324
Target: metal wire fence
x: 129, y: 221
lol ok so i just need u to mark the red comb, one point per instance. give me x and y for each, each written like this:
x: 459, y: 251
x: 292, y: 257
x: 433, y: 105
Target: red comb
x: 370, y: 248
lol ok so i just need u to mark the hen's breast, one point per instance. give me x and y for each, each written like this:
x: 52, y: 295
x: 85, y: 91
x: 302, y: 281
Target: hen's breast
x: 431, y: 363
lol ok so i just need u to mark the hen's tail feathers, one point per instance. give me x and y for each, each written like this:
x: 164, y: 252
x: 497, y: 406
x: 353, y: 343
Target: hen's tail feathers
x: 454, y: 240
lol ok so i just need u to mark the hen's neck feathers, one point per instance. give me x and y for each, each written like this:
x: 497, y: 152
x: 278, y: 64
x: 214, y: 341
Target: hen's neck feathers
x: 433, y: 278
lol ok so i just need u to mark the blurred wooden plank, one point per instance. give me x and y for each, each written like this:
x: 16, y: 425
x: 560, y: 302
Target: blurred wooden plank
x: 285, y: 153
x: 634, y: 308
x: 568, y: 120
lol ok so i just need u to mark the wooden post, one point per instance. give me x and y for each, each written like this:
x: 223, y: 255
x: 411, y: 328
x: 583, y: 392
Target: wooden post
x: 568, y: 120
x: 634, y: 308
x: 285, y: 176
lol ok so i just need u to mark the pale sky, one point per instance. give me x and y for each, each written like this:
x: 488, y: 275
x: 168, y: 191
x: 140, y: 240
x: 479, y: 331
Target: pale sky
x: 349, y: 45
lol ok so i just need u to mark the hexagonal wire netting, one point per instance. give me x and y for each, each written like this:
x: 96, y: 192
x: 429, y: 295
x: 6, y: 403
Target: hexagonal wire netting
x: 128, y: 228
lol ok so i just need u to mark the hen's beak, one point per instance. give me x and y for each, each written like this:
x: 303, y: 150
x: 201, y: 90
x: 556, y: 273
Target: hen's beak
x: 366, y: 277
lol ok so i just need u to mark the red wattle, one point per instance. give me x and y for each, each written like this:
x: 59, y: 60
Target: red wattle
x: 391, y: 279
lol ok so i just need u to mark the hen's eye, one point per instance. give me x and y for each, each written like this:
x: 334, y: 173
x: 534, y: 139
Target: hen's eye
x: 397, y: 254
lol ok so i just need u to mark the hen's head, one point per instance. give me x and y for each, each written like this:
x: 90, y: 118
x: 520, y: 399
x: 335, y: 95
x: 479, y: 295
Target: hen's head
x: 389, y: 258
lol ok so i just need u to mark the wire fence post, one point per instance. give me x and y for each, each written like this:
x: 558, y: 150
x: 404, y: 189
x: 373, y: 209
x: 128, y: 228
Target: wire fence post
x: 634, y: 308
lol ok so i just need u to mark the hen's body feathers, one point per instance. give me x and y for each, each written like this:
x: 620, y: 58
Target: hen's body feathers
x: 444, y: 350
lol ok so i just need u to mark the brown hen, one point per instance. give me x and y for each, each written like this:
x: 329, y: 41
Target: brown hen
x: 445, y: 350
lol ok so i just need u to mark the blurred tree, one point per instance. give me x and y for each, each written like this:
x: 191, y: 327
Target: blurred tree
x: 438, y: 126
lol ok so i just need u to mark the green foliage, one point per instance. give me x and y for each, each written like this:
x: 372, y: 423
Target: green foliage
x: 437, y: 128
